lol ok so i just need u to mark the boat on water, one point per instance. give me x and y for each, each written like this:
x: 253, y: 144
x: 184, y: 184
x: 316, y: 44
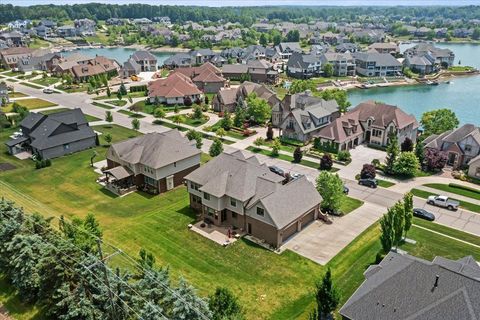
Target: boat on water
x: 432, y: 83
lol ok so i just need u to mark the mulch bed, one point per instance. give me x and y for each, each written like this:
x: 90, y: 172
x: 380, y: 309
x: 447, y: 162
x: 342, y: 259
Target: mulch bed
x: 6, y: 166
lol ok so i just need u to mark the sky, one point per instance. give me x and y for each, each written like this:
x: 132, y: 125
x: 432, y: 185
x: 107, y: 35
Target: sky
x: 220, y: 3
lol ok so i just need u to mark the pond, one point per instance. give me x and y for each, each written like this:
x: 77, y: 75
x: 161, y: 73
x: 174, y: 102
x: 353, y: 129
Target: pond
x: 462, y: 95
x: 119, y: 54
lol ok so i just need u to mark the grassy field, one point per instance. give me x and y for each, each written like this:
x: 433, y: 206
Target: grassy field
x: 190, y: 121
x: 102, y: 105
x: 17, y: 94
x: 31, y: 104
x: 349, y: 204
x: 47, y: 81
x: 38, y: 43
x: 87, y: 116
x: 455, y: 189
x: 31, y: 85
x: 12, y: 302
x: 463, y: 204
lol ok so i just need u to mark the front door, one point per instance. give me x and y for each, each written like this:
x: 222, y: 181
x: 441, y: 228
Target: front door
x: 170, y: 184
x: 223, y: 216
x: 249, y: 228
x: 367, y: 136
x: 452, y: 157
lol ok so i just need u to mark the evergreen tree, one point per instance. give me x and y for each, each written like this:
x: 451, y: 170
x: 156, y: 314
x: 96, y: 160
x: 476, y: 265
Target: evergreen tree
x: 327, y: 297
x: 408, y: 211
x: 108, y: 116
x: 392, y: 152
x: 136, y: 124
x: 187, y: 305
x: 387, y: 229
x: 420, y: 153
x: 224, y: 305
x: 297, y: 155
x: 216, y: 148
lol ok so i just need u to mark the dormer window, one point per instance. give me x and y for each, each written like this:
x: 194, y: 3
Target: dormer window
x: 369, y: 122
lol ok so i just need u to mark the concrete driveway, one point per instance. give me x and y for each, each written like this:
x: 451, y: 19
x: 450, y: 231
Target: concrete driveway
x: 360, y: 155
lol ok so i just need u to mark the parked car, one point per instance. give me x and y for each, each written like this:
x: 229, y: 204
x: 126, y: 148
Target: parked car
x: 47, y: 91
x: 296, y: 175
x: 444, y: 202
x: 423, y: 214
x: 277, y: 170
x: 345, y: 189
x: 372, y: 183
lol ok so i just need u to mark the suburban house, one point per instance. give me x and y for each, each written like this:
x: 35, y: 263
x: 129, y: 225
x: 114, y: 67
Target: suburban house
x: 474, y: 167
x: 229, y: 98
x: 130, y: 68
x: 285, y: 49
x: 206, y: 77
x: 421, y: 64
x: 461, y: 144
x: 303, y: 66
x: 173, y: 89
x: 12, y: 57
x: 346, y: 46
x: 439, y: 56
x: 67, y: 31
x: 260, y: 71
x: 343, y: 63
x: 406, y: 287
x: 3, y: 93
x: 14, y: 39
x: 369, y: 122
x: 146, y: 60
x: 302, y: 115
x: 385, y: 47
x: 154, y: 162
x: 374, y: 64
x: 42, y: 62
x: 54, y: 135
x: 96, y: 66
x: 237, y: 191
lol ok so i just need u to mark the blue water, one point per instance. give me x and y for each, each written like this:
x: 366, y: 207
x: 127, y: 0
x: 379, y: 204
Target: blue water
x: 462, y: 95
x: 119, y: 54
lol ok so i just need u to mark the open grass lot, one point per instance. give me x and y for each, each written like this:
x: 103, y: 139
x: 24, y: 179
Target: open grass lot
x: 31, y: 85
x: 191, y: 121
x: 102, y: 105
x: 457, y: 189
x: 46, y: 81
x: 131, y: 114
x: 118, y: 103
x: 463, y: 204
x: 31, y: 104
x: 17, y: 95
x: 87, y: 116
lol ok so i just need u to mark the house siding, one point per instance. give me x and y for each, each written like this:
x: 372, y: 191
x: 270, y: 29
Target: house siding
x: 75, y: 146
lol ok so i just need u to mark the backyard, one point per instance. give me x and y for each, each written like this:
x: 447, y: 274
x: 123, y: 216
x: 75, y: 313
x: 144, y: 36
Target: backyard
x: 269, y: 285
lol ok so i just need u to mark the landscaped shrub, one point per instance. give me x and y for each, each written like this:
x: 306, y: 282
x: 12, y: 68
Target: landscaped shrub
x: 297, y: 155
x: 187, y: 101
x: 138, y: 88
x: 326, y: 146
x: 39, y: 164
x: 344, y: 156
x: 368, y: 171
x: 326, y: 162
x: 376, y: 163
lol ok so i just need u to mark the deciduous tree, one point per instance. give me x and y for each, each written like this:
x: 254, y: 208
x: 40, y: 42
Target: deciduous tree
x: 330, y: 187
x: 439, y: 121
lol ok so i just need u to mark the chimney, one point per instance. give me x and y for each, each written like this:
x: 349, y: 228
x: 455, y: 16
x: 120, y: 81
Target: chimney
x: 436, y: 281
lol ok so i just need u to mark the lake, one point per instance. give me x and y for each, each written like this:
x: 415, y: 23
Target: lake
x: 462, y: 95
x: 119, y: 54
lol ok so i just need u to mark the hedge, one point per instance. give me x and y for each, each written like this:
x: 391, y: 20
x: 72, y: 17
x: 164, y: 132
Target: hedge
x: 138, y: 88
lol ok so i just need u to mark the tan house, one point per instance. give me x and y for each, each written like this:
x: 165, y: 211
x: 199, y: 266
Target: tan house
x: 474, y: 167
x: 174, y: 89
x: 369, y: 122
x: 206, y: 77
x: 385, y: 47
x: 237, y: 191
x: 155, y: 162
x: 462, y: 145
x: 12, y: 57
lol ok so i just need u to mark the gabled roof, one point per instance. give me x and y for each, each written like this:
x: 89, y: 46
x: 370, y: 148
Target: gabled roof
x: 155, y: 150
x: 143, y: 55
x: 302, y: 61
x: 380, y: 59
x: 404, y: 287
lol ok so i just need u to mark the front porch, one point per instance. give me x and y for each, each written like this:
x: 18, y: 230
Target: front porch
x: 223, y: 235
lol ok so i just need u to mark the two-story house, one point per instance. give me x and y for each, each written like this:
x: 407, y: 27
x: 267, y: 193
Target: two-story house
x: 238, y: 191
x: 374, y: 64
x: 155, y: 162
x: 343, y: 63
x: 286, y: 49
x: 12, y: 57
x: 174, y: 89
x: 54, y: 135
x: 146, y: 60
x: 461, y: 144
x: 440, y: 56
x: 304, y: 66
x: 303, y: 115
x: 369, y: 122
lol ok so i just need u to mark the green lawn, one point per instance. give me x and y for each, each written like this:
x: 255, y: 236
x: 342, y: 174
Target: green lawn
x: 87, y: 116
x: 102, y: 105
x: 12, y: 73
x: 307, y: 163
x: 463, y: 204
x: 31, y: 104
x: 11, y: 300
x: 349, y: 204
x: 47, y: 81
x: 17, y: 94
x: 131, y: 114
x: 385, y: 183
x: 118, y: 134
x: 118, y: 103
x: 31, y: 85
x: 190, y: 121
x: 38, y: 43
x: 82, y: 87
x: 452, y: 188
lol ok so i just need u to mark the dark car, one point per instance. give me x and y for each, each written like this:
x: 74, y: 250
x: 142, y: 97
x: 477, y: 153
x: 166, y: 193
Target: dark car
x: 277, y: 170
x: 423, y: 214
x: 372, y: 183
x: 345, y: 189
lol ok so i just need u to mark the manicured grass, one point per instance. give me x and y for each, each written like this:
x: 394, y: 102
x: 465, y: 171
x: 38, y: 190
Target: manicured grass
x: 12, y: 73
x: 463, y: 204
x: 349, y: 204
x: 136, y: 94
x: 460, y: 68
x: 31, y: 104
x: 38, y: 43
x: 118, y: 134
x: 385, y: 183
x: 455, y: 189
x: 118, y: 103
x: 131, y: 114
x: 468, y: 237
x: 190, y: 121
x: 102, y: 105
x: 289, y: 158
x: 87, y: 116
x: 17, y: 94
x: 31, y: 85
x: 283, y: 146
x: 82, y: 87
x: 47, y: 81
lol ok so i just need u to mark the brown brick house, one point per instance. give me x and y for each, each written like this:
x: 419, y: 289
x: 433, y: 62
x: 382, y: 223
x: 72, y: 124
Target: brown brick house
x: 206, y: 77
x: 155, y: 162
x: 237, y: 191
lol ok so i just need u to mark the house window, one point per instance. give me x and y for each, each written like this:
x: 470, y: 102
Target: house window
x: 150, y: 181
x: 376, y: 133
x: 233, y: 202
x: 174, y: 164
x: 260, y: 211
x: 194, y: 186
x: 66, y: 147
x: 206, y: 196
x: 234, y: 215
x: 468, y: 148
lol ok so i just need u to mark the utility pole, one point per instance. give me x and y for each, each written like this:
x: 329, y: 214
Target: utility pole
x: 113, y: 310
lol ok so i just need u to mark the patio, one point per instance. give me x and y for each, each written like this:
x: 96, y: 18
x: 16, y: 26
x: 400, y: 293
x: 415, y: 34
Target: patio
x: 219, y: 234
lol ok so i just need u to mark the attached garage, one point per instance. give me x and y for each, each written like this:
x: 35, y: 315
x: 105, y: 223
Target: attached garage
x: 289, y: 231
x: 309, y: 217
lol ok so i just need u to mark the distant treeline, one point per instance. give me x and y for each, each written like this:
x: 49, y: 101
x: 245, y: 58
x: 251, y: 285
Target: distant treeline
x: 243, y: 15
